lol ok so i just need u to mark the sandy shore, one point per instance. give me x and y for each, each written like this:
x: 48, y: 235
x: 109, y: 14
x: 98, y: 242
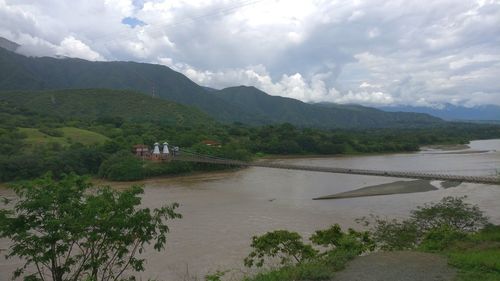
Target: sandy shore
x: 397, y: 187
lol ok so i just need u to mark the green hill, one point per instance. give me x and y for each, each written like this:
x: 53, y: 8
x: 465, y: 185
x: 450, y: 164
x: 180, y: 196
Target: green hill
x: 35, y: 137
x: 91, y: 104
x: 242, y: 104
x: 281, y: 110
x: 19, y: 72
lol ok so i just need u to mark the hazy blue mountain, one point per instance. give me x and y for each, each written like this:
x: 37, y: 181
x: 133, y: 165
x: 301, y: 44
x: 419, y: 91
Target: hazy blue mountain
x: 280, y: 110
x: 210, y: 90
x: 235, y: 104
x: 453, y: 112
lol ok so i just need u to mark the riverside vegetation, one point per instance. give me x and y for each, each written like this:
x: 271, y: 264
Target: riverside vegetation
x: 451, y: 227
x: 81, y: 136
x: 68, y: 229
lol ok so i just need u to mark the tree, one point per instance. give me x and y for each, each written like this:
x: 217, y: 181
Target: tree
x: 122, y: 166
x: 435, y: 223
x: 279, y: 243
x: 335, y: 238
x: 452, y: 212
x: 69, y: 230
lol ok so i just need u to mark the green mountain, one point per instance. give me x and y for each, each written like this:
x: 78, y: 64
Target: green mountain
x: 89, y: 104
x: 327, y: 115
x: 236, y: 104
x: 18, y: 72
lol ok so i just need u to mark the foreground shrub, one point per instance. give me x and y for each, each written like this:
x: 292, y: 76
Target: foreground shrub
x: 282, y: 244
x: 68, y: 230
x: 334, y: 238
x: 452, y: 213
x: 435, y: 224
x: 338, y: 247
x: 451, y: 227
x: 441, y: 238
x: 394, y: 234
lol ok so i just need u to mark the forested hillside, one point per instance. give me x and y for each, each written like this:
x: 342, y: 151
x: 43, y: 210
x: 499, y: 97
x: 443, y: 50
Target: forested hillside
x: 286, y: 110
x: 37, y: 139
x: 247, y: 105
x: 91, y: 104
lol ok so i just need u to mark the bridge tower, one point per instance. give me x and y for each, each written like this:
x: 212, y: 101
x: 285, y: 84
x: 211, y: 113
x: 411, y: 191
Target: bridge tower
x: 156, y: 152
x: 165, y: 152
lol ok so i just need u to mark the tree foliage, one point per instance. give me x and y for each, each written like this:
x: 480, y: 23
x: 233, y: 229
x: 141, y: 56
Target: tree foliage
x: 452, y: 212
x: 289, y: 248
x: 450, y: 217
x: 122, y: 166
x: 69, y: 230
x: 335, y: 238
x: 283, y: 244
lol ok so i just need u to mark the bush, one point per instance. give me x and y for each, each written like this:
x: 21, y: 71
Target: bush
x: 451, y: 212
x: 436, y: 223
x: 336, y: 239
x: 283, y: 244
x: 439, y: 239
x: 395, y: 235
x: 302, y: 261
x: 122, y: 166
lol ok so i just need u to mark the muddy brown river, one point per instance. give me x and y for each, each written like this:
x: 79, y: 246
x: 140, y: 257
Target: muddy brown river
x: 222, y: 211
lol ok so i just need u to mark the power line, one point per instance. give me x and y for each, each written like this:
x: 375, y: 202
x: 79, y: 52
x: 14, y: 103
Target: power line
x: 221, y: 12
x: 214, y: 13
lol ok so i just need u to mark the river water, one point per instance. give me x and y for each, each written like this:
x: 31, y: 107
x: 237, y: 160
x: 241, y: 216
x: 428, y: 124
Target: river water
x: 222, y: 211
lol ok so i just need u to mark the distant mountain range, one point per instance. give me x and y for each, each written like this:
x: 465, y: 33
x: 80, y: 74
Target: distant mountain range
x: 454, y: 113
x: 281, y: 110
x: 235, y: 104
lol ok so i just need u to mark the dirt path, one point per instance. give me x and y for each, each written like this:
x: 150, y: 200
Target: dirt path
x: 397, y: 266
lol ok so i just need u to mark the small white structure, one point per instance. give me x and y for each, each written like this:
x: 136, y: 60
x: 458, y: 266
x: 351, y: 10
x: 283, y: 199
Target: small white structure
x: 156, y: 150
x: 165, y: 149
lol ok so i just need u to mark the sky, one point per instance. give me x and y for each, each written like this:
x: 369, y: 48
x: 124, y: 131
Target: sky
x: 376, y: 53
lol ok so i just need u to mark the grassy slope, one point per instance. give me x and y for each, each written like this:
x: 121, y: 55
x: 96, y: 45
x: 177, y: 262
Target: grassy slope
x: 95, y: 103
x: 34, y: 137
x: 477, y: 258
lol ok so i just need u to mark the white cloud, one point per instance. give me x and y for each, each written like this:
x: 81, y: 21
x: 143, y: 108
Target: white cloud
x: 370, y: 52
x: 71, y: 46
x: 367, y: 98
x: 368, y: 85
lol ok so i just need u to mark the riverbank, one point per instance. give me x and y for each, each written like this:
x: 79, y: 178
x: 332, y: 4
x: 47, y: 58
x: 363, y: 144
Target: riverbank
x: 191, y: 177
x: 222, y: 210
x: 428, y: 246
x: 445, y: 147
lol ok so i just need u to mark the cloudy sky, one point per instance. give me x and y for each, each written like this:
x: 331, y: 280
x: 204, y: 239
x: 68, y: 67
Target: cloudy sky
x: 369, y: 52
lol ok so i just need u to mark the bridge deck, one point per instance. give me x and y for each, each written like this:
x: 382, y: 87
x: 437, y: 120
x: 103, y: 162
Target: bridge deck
x: 383, y: 173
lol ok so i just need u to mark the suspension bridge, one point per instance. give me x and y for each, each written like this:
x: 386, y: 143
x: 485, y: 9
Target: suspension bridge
x: 189, y: 156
